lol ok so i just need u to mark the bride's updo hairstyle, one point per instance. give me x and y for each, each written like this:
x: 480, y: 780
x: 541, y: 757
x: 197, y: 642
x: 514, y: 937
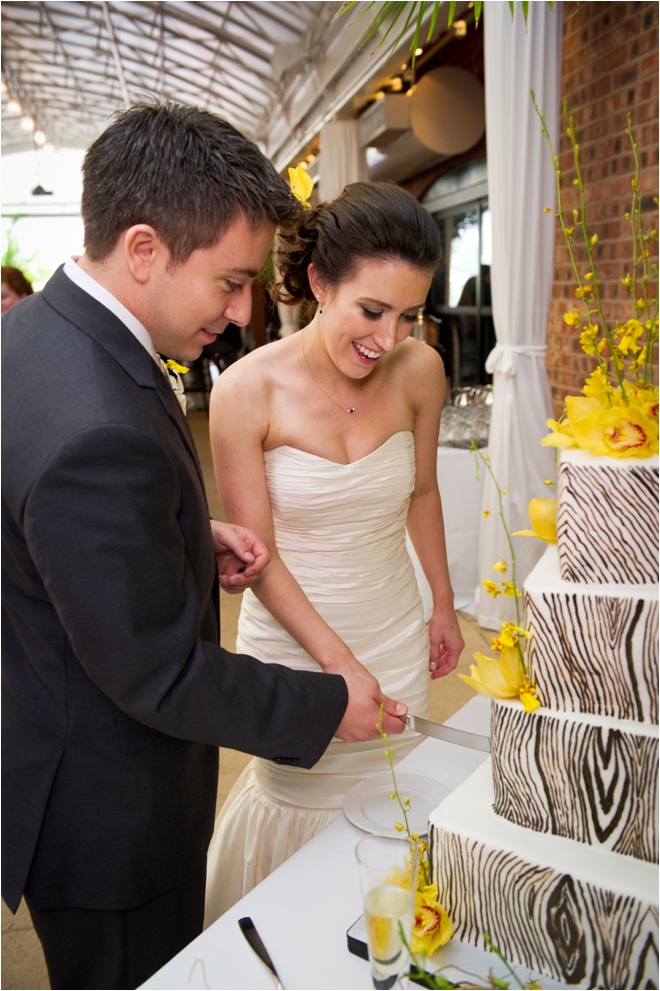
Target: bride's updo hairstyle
x: 368, y: 220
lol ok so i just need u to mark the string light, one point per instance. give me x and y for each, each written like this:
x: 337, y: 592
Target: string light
x: 13, y: 107
x: 39, y: 138
x: 27, y: 123
x: 419, y: 51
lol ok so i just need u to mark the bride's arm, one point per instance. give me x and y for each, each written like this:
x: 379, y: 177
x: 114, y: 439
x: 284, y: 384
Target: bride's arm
x: 239, y: 421
x: 425, y: 523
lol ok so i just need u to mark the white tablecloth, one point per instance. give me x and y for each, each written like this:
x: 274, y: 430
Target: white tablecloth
x: 461, y: 506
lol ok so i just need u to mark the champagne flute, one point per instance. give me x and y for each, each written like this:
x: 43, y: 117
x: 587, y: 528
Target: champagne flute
x: 388, y: 877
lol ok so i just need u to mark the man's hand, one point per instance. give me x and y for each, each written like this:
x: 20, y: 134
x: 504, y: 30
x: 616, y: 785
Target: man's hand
x: 239, y: 555
x: 361, y: 716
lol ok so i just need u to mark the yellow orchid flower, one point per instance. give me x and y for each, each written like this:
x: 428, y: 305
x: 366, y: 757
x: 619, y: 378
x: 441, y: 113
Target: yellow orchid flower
x: 561, y: 436
x: 432, y: 927
x: 620, y: 431
x: 500, y: 566
x: 499, y: 678
x: 301, y: 184
x: 543, y: 517
x: 503, y: 678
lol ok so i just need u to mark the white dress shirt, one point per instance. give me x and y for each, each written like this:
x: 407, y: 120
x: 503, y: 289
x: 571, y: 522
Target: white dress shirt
x: 93, y: 288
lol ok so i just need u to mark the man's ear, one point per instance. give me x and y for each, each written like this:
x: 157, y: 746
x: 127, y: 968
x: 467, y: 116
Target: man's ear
x: 143, y: 251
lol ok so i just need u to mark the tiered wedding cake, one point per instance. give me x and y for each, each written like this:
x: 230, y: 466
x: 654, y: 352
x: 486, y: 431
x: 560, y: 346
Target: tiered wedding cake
x: 552, y: 847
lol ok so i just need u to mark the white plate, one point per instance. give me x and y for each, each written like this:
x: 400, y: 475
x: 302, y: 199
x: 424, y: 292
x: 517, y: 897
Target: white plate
x: 368, y: 804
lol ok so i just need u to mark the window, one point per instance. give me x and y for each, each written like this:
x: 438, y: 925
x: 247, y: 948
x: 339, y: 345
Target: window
x: 460, y: 299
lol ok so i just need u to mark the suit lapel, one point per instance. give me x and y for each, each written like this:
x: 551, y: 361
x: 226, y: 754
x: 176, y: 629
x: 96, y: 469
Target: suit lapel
x: 95, y: 320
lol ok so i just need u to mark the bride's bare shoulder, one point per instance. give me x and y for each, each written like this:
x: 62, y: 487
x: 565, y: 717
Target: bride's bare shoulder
x: 251, y: 379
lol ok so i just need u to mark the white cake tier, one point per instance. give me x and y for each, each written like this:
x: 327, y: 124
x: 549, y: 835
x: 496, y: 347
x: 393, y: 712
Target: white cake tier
x: 590, y: 778
x: 593, y: 648
x: 607, y: 518
x: 576, y: 913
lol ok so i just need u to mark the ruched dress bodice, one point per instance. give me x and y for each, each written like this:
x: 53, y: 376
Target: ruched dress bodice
x: 340, y: 530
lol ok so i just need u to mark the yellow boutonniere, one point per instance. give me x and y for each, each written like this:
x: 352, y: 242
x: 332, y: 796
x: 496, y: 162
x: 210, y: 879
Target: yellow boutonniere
x: 301, y: 185
x: 175, y: 366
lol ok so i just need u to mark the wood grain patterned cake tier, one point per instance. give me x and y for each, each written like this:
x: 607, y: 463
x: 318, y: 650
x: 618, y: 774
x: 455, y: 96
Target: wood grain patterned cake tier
x: 593, y: 648
x: 588, y: 778
x: 555, y: 906
x: 607, y: 518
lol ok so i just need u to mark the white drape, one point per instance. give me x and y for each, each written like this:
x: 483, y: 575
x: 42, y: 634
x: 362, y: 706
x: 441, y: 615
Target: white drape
x: 342, y: 159
x: 519, y: 59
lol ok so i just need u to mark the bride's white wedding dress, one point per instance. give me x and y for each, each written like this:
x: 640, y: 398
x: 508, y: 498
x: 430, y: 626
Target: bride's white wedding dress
x: 340, y: 529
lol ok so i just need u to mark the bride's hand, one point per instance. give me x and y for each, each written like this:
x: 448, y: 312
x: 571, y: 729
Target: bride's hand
x: 446, y: 642
x: 349, y: 665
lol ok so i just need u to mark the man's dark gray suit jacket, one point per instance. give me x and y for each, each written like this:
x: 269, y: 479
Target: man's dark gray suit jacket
x: 116, y: 694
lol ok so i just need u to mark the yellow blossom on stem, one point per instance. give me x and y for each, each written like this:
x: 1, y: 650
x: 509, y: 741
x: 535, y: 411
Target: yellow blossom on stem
x: 527, y: 696
x: 508, y: 588
x: 492, y: 588
x: 500, y: 566
x: 572, y: 318
x: 486, y: 513
x: 598, y: 386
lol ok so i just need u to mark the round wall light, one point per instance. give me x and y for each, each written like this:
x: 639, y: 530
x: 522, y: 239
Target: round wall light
x: 447, y: 111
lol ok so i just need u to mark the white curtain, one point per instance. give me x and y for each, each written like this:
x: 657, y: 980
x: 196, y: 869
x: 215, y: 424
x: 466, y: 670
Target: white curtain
x: 342, y: 159
x: 519, y: 58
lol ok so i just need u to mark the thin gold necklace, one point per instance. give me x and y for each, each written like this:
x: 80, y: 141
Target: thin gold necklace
x: 338, y: 405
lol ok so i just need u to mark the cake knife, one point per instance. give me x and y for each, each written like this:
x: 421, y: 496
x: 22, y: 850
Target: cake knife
x: 249, y: 930
x: 475, y: 741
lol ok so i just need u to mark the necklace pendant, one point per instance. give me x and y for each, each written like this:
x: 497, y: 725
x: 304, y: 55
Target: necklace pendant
x: 351, y: 410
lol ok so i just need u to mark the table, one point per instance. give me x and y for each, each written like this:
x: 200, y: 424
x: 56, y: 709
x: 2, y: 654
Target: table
x: 461, y: 506
x: 304, y: 908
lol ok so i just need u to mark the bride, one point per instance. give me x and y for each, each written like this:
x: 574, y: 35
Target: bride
x: 324, y: 444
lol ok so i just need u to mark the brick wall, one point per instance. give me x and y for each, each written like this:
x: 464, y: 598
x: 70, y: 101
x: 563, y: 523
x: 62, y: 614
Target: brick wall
x: 610, y: 66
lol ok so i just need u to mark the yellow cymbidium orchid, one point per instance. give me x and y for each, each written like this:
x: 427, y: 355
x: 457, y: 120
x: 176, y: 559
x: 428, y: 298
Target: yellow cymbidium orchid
x: 498, y: 678
x: 432, y: 927
x: 301, y: 185
x: 618, y: 431
x: 543, y: 517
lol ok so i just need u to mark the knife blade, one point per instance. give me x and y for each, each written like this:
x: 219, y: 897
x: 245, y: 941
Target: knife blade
x: 475, y: 741
x: 249, y: 930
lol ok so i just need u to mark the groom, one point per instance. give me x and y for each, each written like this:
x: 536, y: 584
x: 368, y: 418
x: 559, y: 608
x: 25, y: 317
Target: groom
x: 116, y: 694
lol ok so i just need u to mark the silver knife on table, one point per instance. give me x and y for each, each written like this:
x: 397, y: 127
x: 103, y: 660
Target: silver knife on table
x: 249, y: 930
x: 475, y: 741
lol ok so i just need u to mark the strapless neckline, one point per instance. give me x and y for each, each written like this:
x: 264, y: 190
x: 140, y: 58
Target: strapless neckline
x: 339, y: 464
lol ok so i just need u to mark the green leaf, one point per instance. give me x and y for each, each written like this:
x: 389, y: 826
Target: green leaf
x: 418, y: 26
x: 436, y: 8
x: 477, y: 10
x: 385, y: 11
x: 525, y: 7
x: 511, y: 7
x: 393, y: 22
x: 450, y: 15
